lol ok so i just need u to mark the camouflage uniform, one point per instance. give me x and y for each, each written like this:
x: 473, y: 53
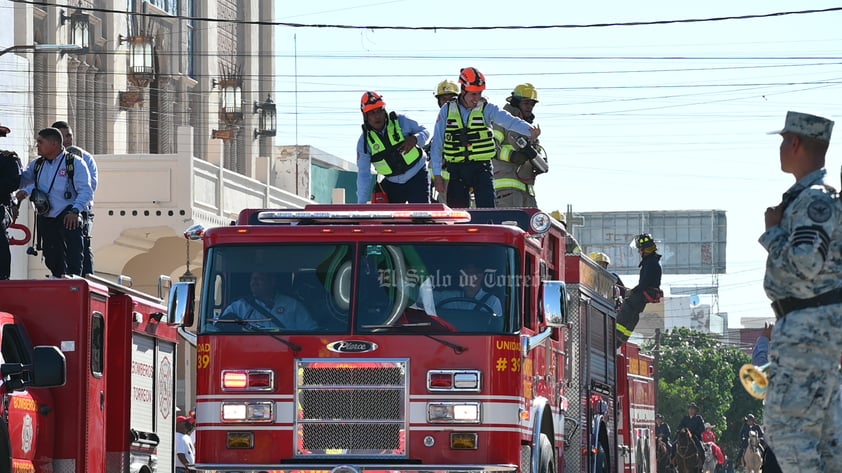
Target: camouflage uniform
x: 803, y: 414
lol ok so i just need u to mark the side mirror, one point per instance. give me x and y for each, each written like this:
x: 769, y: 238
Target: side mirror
x: 555, y: 303
x: 181, y: 303
x: 48, y: 369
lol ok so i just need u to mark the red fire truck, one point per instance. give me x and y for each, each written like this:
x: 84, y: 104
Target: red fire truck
x: 114, y: 409
x: 400, y: 338
x: 636, y: 424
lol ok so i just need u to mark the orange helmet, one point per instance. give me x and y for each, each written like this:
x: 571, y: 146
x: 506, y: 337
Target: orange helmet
x: 371, y: 101
x: 471, y: 80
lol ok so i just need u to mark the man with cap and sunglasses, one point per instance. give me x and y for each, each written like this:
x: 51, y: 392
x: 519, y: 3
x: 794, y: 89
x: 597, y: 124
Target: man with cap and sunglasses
x: 392, y: 143
x: 803, y: 239
x: 464, y: 139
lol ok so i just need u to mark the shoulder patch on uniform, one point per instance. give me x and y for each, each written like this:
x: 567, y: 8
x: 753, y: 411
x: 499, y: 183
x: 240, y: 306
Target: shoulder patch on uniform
x: 819, y: 211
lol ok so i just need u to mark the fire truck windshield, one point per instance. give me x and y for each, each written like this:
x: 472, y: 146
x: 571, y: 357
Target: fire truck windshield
x: 360, y: 288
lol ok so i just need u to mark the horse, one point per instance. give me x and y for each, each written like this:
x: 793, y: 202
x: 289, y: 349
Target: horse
x: 753, y: 456
x: 710, y: 459
x: 663, y: 457
x: 688, y: 459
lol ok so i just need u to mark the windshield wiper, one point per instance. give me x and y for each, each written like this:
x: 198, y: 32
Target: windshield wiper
x: 249, y: 324
x: 459, y: 349
x: 416, y: 324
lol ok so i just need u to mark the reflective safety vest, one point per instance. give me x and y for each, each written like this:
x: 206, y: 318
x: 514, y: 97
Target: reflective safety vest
x: 385, y: 157
x: 474, y: 142
x: 501, y: 183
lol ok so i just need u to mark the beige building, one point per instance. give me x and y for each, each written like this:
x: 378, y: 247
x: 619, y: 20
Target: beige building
x: 172, y: 106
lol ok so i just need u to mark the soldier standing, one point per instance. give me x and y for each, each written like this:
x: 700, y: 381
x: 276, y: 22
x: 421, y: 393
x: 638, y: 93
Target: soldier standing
x: 802, y: 410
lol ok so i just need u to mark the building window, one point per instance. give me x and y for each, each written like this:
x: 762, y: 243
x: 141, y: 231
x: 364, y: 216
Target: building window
x: 169, y: 6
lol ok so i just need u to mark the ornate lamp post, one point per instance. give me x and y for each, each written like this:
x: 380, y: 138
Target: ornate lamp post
x: 267, y: 121
x: 79, y: 29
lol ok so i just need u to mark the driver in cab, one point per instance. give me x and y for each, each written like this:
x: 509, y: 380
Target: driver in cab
x: 268, y: 309
x: 469, y: 293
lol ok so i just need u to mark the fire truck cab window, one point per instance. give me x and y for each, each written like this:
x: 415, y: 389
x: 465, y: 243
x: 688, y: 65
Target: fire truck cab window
x: 97, y: 344
x: 371, y: 287
x: 14, y: 345
x: 435, y: 288
x: 275, y: 288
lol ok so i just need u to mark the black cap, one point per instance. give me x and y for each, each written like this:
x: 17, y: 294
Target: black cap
x: 4, y: 130
x: 693, y: 405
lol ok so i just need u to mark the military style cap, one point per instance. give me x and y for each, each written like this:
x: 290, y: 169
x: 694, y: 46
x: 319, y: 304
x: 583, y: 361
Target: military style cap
x: 810, y: 126
x: 4, y: 130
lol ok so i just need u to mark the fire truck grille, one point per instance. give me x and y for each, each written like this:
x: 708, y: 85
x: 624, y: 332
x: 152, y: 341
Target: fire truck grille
x: 351, y: 407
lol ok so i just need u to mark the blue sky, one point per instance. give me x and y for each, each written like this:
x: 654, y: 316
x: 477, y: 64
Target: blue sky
x: 659, y: 117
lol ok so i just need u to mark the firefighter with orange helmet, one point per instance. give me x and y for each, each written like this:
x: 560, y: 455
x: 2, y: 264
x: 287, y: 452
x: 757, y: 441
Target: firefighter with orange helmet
x: 520, y: 159
x: 648, y: 289
x: 446, y: 91
x: 464, y: 140
x: 392, y: 143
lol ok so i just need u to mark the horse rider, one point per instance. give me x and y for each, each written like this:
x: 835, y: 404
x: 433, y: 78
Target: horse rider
x: 695, y: 424
x: 662, y: 429
x: 749, y: 425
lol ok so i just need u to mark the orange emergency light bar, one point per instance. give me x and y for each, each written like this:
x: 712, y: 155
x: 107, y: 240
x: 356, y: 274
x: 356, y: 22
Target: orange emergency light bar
x: 384, y: 216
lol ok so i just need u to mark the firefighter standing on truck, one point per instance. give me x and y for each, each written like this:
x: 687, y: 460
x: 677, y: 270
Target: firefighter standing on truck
x: 463, y: 138
x: 648, y: 289
x: 392, y: 143
x: 517, y: 162
x: 445, y: 92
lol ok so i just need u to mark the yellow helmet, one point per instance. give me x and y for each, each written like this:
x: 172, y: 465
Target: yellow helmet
x: 447, y: 87
x: 599, y: 257
x: 558, y: 215
x: 524, y: 91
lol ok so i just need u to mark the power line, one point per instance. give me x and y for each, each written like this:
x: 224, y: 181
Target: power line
x: 441, y: 28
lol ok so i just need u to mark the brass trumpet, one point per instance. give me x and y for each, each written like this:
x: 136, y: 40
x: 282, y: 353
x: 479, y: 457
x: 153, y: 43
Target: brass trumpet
x: 754, y: 379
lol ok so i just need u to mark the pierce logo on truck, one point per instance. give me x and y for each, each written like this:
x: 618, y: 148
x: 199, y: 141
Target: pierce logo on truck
x: 352, y: 346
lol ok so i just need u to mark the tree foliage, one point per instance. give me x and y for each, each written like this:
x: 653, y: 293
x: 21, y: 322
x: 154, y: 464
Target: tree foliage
x: 696, y: 367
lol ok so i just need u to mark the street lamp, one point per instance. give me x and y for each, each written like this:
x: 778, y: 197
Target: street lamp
x: 79, y: 24
x: 267, y: 121
x: 63, y: 48
x: 141, y: 60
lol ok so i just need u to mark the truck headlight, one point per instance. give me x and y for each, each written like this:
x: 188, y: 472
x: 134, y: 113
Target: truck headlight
x: 247, y: 412
x: 453, y: 412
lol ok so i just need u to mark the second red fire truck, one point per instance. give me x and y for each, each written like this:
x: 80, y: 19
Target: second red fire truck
x: 88, y: 378
x: 403, y: 339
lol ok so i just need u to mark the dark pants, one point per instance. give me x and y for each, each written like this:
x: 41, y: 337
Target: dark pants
x: 62, y: 248
x: 87, y: 254
x: 770, y: 461
x: 5, y: 256
x: 5, y: 253
x: 629, y: 314
x: 467, y: 175
x: 415, y: 191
